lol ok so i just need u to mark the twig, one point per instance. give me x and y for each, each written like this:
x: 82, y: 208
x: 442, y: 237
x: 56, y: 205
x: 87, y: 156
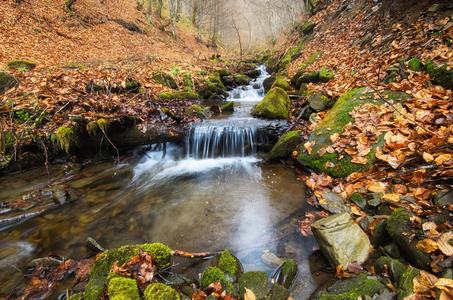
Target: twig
x: 406, y: 117
x: 32, y: 7
x: 297, y: 119
x: 117, y: 151
x: 47, y: 158
x: 408, y: 171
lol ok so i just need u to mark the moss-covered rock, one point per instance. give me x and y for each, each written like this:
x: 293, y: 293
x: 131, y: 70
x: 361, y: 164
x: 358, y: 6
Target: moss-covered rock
x: 241, y: 79
x: 333, y: 122
x: 285, y: 145
x: 351, y: 289
x: 228, y: 107
x: 198, y: 111
x: 257, y: 282
x: 400, y: 228
x: 307, y: 27
x: 279, y: 292
x: 160, y: 291
x: 165, y: 79
x: 7, y: 81
x: 104, y: 262
x: 387, y: 265
x: 227, y: 263
x: 224, y: 72
x: 168, y: 96
x: 275, y: 105
x: 95, y: 287
x: 21, y: 65
x: 122, y: 288
x: 179, y: 95
x: 78, y: 296
x: 189, y: 95
x: 406, y: 284
x: 442, y: 75
x: 284, y: 63
x: 295, y: 79
x: 253, y: 73
x: 287, y: 273
x: 325, y: 75
x: 281, y: 83
x: 309, y: 77
x: 212, y: 91
x: 318, y: 102
x: 214, y: 274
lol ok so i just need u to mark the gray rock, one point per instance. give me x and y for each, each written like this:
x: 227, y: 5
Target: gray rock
x: 380, y: 234
x: 443, y: 198
x: 271, y: 260
x: 340, y: 240
x: 393, y: 267
x: 279, y: 292
x: 334, y: 203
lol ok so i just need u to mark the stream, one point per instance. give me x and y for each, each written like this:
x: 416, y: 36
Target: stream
x: 212, y: 193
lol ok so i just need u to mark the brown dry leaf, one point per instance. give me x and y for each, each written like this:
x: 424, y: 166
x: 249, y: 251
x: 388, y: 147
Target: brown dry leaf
x: 445, y: 295
x: 335, y: 137
x: 444, y: 284
x: 392, y: 197
x: 308, y: 146
x: 422, y: 285
x: 427, y: 245
x: 444, y: 244
x: 443, y: 158
x: 427, y: 157
x: 377, y: 187
x: 359, y: 160
x: 249, y: 295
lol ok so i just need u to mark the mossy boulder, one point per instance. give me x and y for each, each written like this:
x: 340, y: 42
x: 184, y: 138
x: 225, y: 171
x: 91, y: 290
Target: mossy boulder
x: 228, y: 107
x: 392, y: 267
x: 325, y: 75
x: 284, y: 63
x: 285, y: 145
x: 275, y: 105
x: 189, y: 95
x: 229, y: 265
x: 212, y: 91
x: 224, y: 72
x: 279, y: 292
x: 7, y: 81
x: 281, y: 83
x: 309, y: 77
x: 122, y: 288
x: 314, y: 57
x: 318, y: 102
x: 95, y: 287
x: 257, y: 282
x: 295, y: 78
x: 160, y: 291
x: 350, y: 289
x: 198, y: 111
x: 241, y: 79
x: 333, y: 122
x: 21, y: 65
x: 406, y: 284
x: 104, y: 262
x: 165, y: 79
x: 253, y: 73
x: 214, y: 274
x: 442, y: 75
x: 168, y: 96
x: 403, y: 233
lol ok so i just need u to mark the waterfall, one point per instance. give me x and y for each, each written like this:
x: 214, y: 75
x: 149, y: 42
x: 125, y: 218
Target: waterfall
x: 212, y: 141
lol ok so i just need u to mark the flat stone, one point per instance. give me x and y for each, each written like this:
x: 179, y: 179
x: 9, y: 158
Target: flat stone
x: 334, y: 203
x: 340, y: 240
x: 271, y: 260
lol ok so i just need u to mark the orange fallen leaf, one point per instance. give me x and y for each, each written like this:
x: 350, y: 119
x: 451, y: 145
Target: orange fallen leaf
x: 427, y: 245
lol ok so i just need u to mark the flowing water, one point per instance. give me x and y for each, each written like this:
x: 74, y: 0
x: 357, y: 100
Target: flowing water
x: 210, y: 194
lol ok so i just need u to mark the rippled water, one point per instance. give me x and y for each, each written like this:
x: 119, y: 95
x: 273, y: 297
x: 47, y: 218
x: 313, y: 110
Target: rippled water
x: 170, y: 196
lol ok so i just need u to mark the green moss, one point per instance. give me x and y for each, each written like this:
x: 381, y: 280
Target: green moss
x: 358, y: 200
x: 122, y: 288
x: 189, y: 95
x: 325, y: 75
x: 241, y: 79
x: 285, y: 145
x: 227, y: 263
x: 289, y: 266
x: 307, y: 27
x: 66, y: 137
x: 414, y: 65
x: 202, y: 72
x: 441, y: 75
x: 281, y: 83
x: 21, y: 65
x: 229, y: 107
x: 333, y: 122
x: 123, y: 254
x: 167, y: 96
x: 92, y: 128
x: 285, y: 62
x: 78, y: 296
x: 160, y: 291
x: 314, y: 57
x: 406, y: 285
x: 103, y: 124
x: 213, y: 274
x: 275, y: 105
x: 95, y: 287
x: 256, y: 281
x: 359, y: 288
x: 165, y: 79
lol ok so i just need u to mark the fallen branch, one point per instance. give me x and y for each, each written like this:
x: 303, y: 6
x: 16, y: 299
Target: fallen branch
x: 193, y: 255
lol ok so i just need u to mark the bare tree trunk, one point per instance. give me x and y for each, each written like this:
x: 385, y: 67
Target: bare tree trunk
x: 172, y: 5
x: 239, y: 39
x: 159, y: 8
x: 178, y: 10
x: 149, y: 13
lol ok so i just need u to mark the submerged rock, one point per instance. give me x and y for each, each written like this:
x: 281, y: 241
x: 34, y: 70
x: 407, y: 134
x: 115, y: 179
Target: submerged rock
x: 275, y: 105
x: 287, y: 273
x: 340, y: 240
x: 334, y: 203
x: 214, y: 274
x: 229, y: 265
x: 271, y: 260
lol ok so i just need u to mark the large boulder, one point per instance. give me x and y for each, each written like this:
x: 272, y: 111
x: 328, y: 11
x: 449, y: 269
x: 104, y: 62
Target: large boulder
x: 285, y: 145
x: 340, y: 240
x: 275, y: 105
x: 257, y: 282
x: 268, y: 82
x: 7, y: 81
x: 241, y: 79
x: 318, y: 102
x: 281, y: 83
x: 316, y: 152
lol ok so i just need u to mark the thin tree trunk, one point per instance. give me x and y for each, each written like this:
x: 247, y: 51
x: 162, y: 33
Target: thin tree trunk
x: 239, y: 39
x: 149, y: 13
x: 159, y: 8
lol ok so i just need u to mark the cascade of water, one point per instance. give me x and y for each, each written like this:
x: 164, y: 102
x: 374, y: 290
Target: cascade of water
x: 252, y: 92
